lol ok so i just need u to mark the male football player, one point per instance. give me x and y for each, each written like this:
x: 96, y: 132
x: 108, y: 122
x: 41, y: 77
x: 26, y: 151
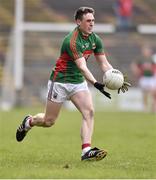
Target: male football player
x: 68, y: 82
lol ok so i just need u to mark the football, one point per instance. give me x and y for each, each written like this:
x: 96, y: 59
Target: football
x: 113, y: 79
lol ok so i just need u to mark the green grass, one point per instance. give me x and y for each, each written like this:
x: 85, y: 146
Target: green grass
x: 130, y: 139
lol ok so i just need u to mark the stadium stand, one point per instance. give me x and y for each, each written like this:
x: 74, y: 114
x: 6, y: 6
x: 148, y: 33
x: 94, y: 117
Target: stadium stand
x: 42, y: 49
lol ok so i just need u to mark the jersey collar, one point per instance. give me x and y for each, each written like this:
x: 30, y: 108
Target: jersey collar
x: 83, y: 35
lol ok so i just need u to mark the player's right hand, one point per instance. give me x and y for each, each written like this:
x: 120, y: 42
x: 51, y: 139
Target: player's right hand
x: 100, y: 87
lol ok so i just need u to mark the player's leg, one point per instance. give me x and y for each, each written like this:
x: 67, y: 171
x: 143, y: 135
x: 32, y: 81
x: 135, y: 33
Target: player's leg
x: 153, y: 99
x: 153, y: 94
x: 154, y: 102
x: 83, y: 101
x: 55, y: 97
x: 46, y: 119
x: 145, y: 100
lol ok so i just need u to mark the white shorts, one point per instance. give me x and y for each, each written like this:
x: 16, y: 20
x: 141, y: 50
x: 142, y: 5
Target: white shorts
x: 147, y: 83
x: 60, y: 92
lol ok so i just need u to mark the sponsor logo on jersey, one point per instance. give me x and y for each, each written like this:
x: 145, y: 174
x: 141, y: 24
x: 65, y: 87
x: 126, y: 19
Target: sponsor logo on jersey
x: 93, y: 46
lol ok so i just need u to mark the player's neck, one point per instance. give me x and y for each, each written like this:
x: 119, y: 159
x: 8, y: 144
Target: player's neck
x: 84, y: 35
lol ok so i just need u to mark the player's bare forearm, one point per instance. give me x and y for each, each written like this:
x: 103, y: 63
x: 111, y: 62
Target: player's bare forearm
x: 103, y: 62
x: 88, y: 75
x: 81, y: 63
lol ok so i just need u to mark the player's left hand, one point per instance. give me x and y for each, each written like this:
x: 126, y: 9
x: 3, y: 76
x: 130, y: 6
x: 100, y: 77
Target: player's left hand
x: 125, y: 86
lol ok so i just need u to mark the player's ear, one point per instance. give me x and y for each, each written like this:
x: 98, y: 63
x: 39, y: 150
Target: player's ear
x: 78, y: 22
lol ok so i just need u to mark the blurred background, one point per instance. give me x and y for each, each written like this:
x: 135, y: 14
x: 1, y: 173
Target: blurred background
x: 31, y: 32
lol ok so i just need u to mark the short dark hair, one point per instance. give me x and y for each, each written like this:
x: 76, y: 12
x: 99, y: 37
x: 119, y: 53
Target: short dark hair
x: 81, y: 11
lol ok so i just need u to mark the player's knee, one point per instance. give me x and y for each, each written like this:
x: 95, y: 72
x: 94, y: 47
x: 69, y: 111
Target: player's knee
x: 89, y: 114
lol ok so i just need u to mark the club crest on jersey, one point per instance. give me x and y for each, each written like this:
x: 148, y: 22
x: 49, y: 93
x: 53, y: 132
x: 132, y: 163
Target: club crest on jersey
x: 85, y: 46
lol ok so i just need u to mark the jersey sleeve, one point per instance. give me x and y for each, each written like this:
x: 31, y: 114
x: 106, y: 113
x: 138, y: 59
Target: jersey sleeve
x: 99, y: 46
x: 74, y: 50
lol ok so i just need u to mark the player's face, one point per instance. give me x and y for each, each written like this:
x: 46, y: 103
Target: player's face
x: 87, y: 23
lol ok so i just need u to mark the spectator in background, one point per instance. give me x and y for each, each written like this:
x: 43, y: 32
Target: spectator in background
x: 143, y: 69
x: 154, y: 62
x: 123, y: 10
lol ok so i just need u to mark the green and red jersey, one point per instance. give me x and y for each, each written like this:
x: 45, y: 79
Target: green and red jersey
x: 146, y: 66
x: 75, y: 46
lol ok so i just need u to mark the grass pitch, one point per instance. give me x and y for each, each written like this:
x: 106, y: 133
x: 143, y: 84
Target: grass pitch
x: 130, y: 139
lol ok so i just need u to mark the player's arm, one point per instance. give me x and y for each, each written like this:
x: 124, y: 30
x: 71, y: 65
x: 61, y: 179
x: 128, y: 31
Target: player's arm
x: 81, y: 64
x: 103, y: 62
x: 100, y: 55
